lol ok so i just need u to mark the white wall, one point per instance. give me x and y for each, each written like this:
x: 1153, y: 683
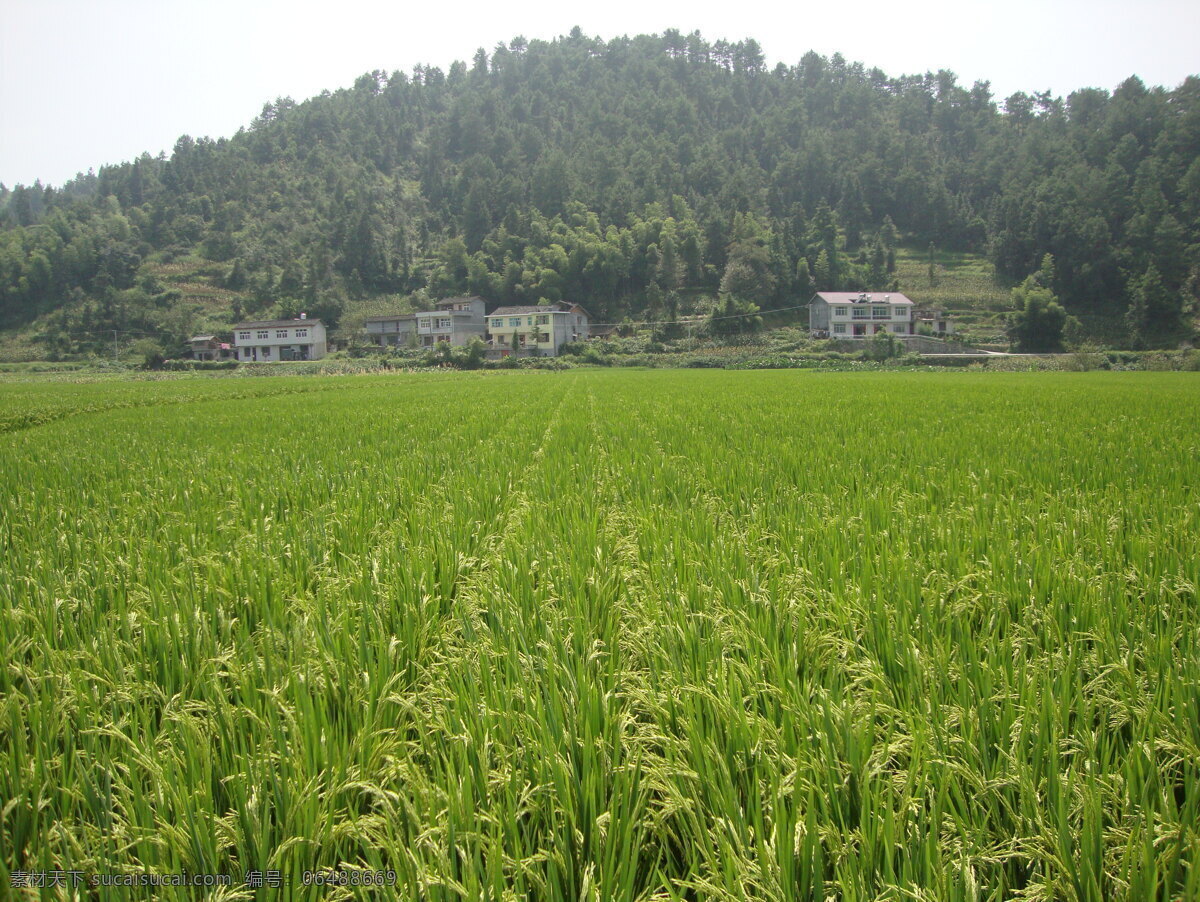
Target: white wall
x: 278, y: 337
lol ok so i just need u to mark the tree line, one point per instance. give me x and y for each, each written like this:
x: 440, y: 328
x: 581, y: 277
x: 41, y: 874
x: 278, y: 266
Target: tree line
x: 634, y: 176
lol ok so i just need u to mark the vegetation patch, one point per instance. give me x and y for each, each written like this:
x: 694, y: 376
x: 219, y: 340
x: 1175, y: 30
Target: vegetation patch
x: 605, y: 634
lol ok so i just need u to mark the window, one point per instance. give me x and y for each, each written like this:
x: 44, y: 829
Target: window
x: 281, y: 333
x: 543, y: 336
x: 498, y: 322
x: 899, y: 328
x: 263, y: 333
x: 899, y: 313
x: 266, y: 352
x: 444, y: 323
x: 861, y: 313
x: 303, y: 333
x: 244, y: 336
x: 839, y: 311
x: 426, y: 324
x: 543, y: 319
x: 514, y: 321
x: 881, y: 313
x: 839, y: 328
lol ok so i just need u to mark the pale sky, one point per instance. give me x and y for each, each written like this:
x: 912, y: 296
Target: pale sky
x: 84, y: 83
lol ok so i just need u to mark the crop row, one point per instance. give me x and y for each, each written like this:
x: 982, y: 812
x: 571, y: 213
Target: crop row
x: 613, y: 635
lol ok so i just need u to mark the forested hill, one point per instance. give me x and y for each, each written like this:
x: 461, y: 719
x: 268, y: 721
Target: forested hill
x: 633, y: 175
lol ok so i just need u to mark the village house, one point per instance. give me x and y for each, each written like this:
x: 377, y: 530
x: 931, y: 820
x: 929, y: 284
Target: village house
x: 455, y: 321
x: 207, y: 347
x: 280, y: 339
x: 934, y: 321
x: 394, y: 331
x: 540, y: 330
x: 859, y: 315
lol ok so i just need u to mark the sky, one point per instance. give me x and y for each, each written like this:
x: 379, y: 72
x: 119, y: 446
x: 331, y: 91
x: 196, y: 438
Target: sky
x: 84, y: 83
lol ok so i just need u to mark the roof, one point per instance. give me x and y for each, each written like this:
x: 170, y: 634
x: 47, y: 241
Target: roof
x: 445, y: 301
x: 196, y: 338
x: 391, y: 318
x: 863, y: 297
x: 538, y: 308
x: 278, y: 323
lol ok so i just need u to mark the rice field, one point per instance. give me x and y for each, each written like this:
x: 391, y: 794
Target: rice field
x: 604, y: 635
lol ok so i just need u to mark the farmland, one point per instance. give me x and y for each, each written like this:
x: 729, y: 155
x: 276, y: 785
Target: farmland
x: 607, y: 634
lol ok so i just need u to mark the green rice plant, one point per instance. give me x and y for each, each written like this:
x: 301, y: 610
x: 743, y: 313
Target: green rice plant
x: 605, y: 634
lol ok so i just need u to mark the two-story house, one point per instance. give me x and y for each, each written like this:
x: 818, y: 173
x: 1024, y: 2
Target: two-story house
x: 859, y: 314
x: 394, y: 331
x: 280, y: 339
x: 455, y: 321
x: 209, y: 347
x: 540, y: 329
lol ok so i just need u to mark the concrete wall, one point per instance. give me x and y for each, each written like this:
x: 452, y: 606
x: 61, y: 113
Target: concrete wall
x: 923, y: 344
x: 818, y: 316
x: 394, y: 332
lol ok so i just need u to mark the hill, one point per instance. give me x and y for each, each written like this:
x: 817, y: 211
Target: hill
x: 641, y: 176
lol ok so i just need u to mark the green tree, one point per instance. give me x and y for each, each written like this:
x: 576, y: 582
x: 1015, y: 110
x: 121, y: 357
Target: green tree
x: 235, y: 279
x: 149, y: 353
x: 1154, y: 309
x: 473, y: 354
x: 477, y: 216
x: 1038, y: 321
x: 803, y: 283
x: 883, y: 346
x: 822, y: 272
x: 734, y: 316
x: 748, y: 272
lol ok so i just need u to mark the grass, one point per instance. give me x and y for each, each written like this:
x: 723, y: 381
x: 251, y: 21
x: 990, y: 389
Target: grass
x: 608, y: 634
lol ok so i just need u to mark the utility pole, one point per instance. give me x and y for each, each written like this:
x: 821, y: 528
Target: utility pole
x: 115, y: 355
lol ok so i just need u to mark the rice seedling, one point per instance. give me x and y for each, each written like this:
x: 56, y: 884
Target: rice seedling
x: 605, y: 635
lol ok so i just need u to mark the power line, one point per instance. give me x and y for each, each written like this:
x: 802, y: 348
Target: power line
x: 106, y: 332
